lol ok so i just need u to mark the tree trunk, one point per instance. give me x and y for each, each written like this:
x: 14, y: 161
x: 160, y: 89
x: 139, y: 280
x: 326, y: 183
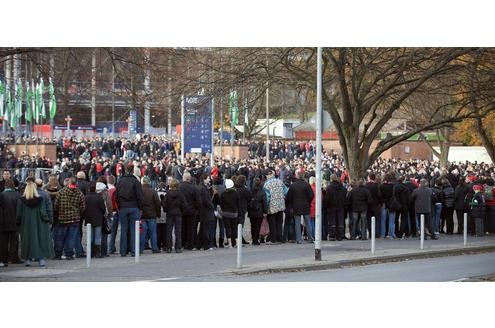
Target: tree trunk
x: 486, y: 141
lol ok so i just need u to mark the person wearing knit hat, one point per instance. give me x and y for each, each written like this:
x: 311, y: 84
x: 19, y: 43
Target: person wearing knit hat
x: 477, y: 209
x: 100, y: 186
x: 229, y: 183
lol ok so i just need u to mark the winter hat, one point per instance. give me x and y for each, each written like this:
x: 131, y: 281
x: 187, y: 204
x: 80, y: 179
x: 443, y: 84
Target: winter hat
x: 477, y: 187
x: 229, y: 183
x: 146, y: 180
x: 472, y: 178
x: 100, y: 186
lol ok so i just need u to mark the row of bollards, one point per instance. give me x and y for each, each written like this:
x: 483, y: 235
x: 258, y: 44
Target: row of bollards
x: 239, y: 240
x: 422, y: 228
x: 136, y: 243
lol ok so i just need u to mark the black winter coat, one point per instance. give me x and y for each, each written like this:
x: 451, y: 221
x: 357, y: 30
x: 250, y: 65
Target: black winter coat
x: 207, y: 210
x: 257, y: 205
x: 193, y: 198
x: 229, y: 201
x: 8, y: 204
x: 299, y: 197
x: 244, y: 198
x: 335, y: 196
x: 174, y: 203
x: 95, y: 209
x: 459, y: 196
x: 359, y: 199
x: 151, y: 203
x: 387, y: 190
x: 373, y: 187
x: 129, y: 192
x: 478, y: 210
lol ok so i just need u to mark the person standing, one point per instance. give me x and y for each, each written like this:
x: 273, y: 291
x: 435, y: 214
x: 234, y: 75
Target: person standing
x: 256, y: 210
x: 299, y: 197
x: 193, y: 199
x: 36, y: 237
x: 244, y: 198
x: 375, y: 203
x: 115, y: 212
x: 477, y: 209
x: 173, y: 205
x: 102, y: 190
x: 335, y: 200
x: 129, y: 197
x: 275, y: 194
x: 447, y: 207
x: 387, y: 192
x: 421, y: 197
x: 359, y: 199
x: 9, y: 235
x: 460, y: 204
x: 94, y: 215
x: 206, y: 214
x: 69, y: 207
x: 151, y: 211
x: 229, y: 205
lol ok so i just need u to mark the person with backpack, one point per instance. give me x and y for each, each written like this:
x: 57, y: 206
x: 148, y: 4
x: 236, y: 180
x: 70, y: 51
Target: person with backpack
x: 256, y: 210
x: 447, y: 207
x: 477, y: 209
x: 489, y: 222
x: 436, y: 202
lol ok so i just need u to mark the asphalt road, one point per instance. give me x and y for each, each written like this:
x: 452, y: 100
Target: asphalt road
x: 452, y: 268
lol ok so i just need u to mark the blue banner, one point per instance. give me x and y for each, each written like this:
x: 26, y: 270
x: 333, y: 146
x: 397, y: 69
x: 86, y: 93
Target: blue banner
x: 197, y: 124
x: 132, y: 122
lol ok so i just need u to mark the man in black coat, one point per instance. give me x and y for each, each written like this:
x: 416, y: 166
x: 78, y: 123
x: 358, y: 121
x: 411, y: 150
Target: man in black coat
x: 375, y: 203
x: 403, y: 195
x: 335, y: 200
x: 9, y: 236
x: 191, y: 212
x: 299, y: 198
x: 359, y: 199
x: 129, y: 197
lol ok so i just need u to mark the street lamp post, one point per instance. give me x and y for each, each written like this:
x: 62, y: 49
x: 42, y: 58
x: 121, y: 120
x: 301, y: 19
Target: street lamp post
x: 318, y: 202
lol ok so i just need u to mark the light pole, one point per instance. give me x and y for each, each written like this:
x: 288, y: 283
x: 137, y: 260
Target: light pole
x: 318, y: 157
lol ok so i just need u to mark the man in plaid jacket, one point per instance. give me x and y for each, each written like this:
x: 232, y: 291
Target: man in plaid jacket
x: 69, y: 207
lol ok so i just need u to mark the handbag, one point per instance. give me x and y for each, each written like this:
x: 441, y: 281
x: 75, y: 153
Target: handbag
x: 265, y: 228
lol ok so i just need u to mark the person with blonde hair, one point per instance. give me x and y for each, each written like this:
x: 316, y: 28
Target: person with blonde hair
x: 36, y: 237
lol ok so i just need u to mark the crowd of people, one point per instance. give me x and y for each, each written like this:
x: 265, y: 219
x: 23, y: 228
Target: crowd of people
x: 111, y: 183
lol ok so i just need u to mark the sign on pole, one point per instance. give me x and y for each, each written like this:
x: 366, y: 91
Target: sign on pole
x: 197, y: 124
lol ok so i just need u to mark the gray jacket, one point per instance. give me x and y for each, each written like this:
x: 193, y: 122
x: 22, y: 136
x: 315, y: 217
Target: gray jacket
x: 422, y: 200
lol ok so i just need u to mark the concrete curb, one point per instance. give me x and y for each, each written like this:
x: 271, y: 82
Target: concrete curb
x: 326, y: 265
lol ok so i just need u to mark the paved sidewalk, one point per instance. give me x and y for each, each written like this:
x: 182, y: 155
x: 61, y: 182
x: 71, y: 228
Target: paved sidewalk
x: 256, y: 260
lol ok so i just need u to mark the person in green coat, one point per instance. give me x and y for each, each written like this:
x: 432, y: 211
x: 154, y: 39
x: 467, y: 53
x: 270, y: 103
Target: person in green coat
x: 36, y: 237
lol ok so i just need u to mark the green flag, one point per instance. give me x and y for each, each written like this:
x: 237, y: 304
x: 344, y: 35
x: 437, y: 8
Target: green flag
x: 42, y: 102
x: 29, y: 94
x: 234, y: 109
x: 17, y: 113
x: 36, y: 108
x: 53, y: 101
x: 33, y: 101
x: 9, y: 111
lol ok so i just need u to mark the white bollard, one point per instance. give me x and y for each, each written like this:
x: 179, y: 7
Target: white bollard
x: 239, y: 246
x: 137, y: 238
x: 88, y: 245
x: 372, y: 235
x: 465, y: 229
x: 422, y: 231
